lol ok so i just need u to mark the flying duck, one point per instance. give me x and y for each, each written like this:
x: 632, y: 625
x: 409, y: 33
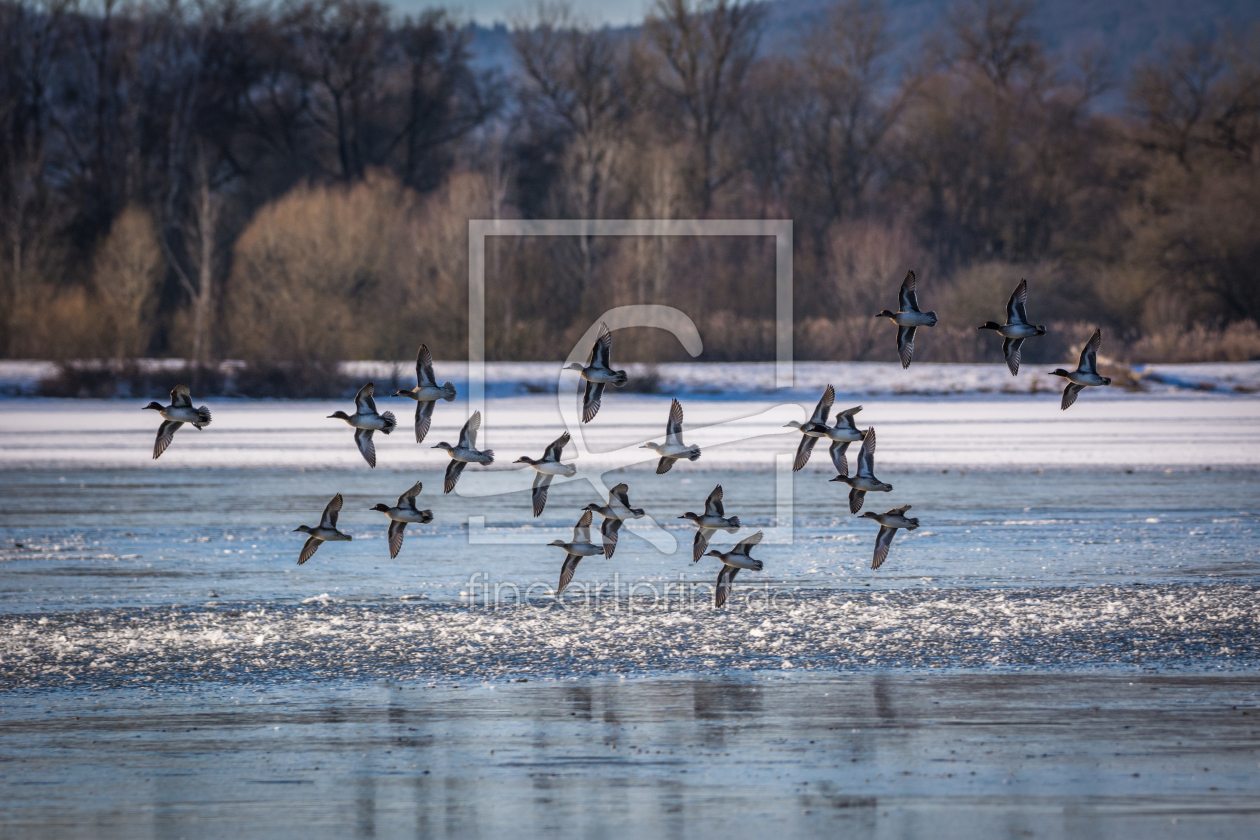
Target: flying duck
x: 465, y: 452
x: 813, y: 429
x: 365, y: 420
x: 908, y: 318
x: 426, y: 393
x: 889, y: 521
x: 1016, y: 328
x: 598, y: 373
x: 402, y: 513
x: 548, y: 466
x: 865, y: 481
x: 841, y: 435
x: 1086, y: 372
x: 617, y: 511
x: 673, y: 448
x: 179, y: 412
x: 710, y: 522
x: 325, y: 531
x: 737, y: 558
x: 576, y: 550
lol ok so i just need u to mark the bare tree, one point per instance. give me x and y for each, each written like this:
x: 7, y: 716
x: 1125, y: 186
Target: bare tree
x: 580, y: 85
x: 126, y: 272
x: 31, y: 37
x: 848, y: 118
x: 708, y: 47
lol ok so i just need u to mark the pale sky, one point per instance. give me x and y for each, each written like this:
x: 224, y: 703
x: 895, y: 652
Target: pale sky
x: 487, y: 12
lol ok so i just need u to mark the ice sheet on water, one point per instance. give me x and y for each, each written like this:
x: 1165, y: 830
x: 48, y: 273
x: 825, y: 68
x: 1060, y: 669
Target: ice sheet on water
x: 1108, y: 428
x: 1204, y: 627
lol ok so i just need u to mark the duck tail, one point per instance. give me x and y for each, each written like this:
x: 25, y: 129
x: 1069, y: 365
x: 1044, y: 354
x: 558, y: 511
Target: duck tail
x: 622, y: 378
x: 390, y: 422
x: 757, y: 564
x: 489, y: 453
x: 203, y: 417
x: 448, y: 391
x: 695, y: 454
x: 932, y: 315
x: 637, y: 511
x: 914, y: 523
x: 735, y: 522
x: 571, y: 471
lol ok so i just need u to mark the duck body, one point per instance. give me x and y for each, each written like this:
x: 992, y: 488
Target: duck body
x: 615, y: 513
x: 713, y: 519
x: 366, y: 420
x: 889, y: 523
x: 325, y: 531
x: 864, y: 481
x: 403, y: 514
x: 908, y: 318
x: 465, y: 452
x: 581, y: 546
x: 175, y: 415
x: 547, y: 467
x: 813, y: 429
x: 1086, y: 373
x: 673, y: 448
x: 598, y: 372
x: 739, y: 557
x: 426, y: 392
x: 1016, y: 328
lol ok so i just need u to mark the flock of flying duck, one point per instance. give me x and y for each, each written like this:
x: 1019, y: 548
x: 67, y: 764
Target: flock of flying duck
x: 597, y: 373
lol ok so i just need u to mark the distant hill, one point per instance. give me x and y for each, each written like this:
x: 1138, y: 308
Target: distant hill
x: 1126, y: 29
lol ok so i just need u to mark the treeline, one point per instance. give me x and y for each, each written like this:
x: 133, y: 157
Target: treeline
x: 293, y: 182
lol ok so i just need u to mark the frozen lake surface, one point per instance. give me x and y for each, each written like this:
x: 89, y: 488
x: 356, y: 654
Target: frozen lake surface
x: 1075, y: 623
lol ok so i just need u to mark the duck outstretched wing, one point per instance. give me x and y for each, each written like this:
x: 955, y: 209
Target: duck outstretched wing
x: 424, y: 368
x: 907, y: 299
x: 1017, y: 306
x: 883, y: 541
x: 363, y: 402
x: 363, y: 438
x: 331, y: 512
x: 165, y: 434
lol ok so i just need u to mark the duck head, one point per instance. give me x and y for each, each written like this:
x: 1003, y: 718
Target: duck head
x: 524, y: 459
x: 870, y: 514
x: 305, y: 529
x: 650, y: 446
x: 401, y: 393
x: 884, y: 313
x: 1059, y: 372
x: 156, y: 406
x: 443, y: 445
x: 380, y: 507
x: 989, y: 325
x: 592, y: 507
x: 714, y: 553
x: 793, y: 424
x: 690, y: 516
x: 841, y: 478
x: 574, y: 366
x: 340, y: 415
x: 559, y: 544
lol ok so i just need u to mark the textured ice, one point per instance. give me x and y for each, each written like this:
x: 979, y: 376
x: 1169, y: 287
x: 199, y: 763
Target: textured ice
x: 1212, y: 627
